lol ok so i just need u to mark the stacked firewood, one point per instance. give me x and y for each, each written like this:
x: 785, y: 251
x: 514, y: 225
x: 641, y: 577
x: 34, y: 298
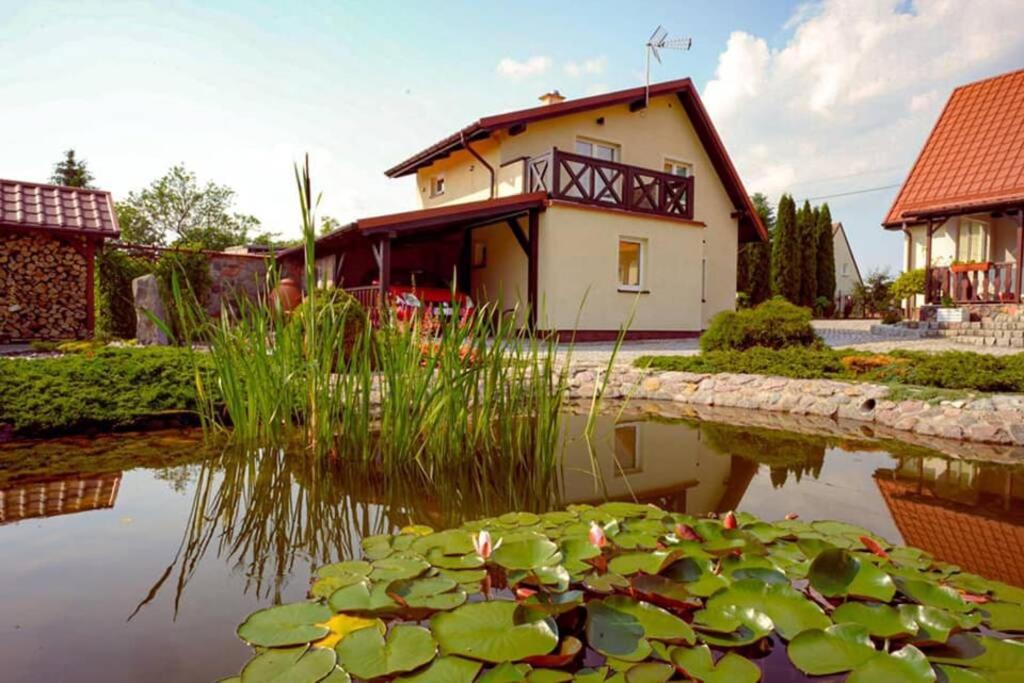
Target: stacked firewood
x: 42, y: 288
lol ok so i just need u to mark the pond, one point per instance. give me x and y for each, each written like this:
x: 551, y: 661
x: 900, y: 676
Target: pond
x: 133, y: 557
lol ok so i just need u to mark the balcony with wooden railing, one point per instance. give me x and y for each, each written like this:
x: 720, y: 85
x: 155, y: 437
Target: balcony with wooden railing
x: 595, y: 182
x: 985, y: 282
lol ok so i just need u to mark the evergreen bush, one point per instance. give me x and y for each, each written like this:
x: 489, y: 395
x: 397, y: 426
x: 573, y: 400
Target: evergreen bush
x: 774, y: 324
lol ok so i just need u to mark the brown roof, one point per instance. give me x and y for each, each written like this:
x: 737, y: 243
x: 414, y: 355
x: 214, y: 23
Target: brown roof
x: 683, y: 88
x: 51, y: 207
x: 448, y: 216
x: 974, y: 157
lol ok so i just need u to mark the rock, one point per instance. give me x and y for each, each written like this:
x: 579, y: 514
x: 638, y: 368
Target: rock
x: 146, y: 293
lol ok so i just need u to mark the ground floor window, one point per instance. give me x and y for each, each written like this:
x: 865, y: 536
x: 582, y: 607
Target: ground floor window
x: 627, y: 449
x: 972, y: 243
x: 631, y: 263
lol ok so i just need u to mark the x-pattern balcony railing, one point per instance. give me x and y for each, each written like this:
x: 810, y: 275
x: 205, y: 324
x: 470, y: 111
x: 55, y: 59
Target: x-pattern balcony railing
x: 586, y: 180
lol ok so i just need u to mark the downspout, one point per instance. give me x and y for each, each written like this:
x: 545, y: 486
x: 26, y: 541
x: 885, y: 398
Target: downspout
x: 490, y: 169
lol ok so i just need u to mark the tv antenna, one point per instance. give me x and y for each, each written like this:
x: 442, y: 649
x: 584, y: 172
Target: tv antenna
x: 659, y: 40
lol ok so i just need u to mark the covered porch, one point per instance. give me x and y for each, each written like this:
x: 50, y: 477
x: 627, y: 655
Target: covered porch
x: 971, y: 256
x: 431, y: 247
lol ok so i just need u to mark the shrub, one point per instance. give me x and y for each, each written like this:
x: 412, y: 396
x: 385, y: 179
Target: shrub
x: 891, y: 316
x: 111, y: 387
x: 797, y: 362
x: 115, y: 307
x: 908, y: 285
x: 774, y: 324
x: 190, y: 272
x: 343, y: 308
x: 963, y: 370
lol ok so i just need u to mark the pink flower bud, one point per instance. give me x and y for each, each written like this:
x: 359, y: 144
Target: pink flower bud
x: 596, y: 536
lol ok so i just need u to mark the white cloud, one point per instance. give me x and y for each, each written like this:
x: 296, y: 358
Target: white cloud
x: 514, y: 70
x: 593, y: 66
x: 854, y: 89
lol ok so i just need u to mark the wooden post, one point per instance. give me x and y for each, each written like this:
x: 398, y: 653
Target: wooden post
x: 1020, y: 254
x: 385, y: 269
x: 928, y: 264
x: 532, y: 264
x: 90, y: 287
x: 463, y: 277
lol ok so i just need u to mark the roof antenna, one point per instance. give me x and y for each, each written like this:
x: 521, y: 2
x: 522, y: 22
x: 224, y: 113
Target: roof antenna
x: 659, y: 40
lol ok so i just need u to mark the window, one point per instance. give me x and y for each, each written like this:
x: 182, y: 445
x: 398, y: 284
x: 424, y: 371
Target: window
x: 627, y: 449
x: 598, y: 150
x: 437, y: 186
x: 324, y: 271
x: 631, y: 263
x: 679, y: 168
x: 972, y: 244
x: 846, y: 269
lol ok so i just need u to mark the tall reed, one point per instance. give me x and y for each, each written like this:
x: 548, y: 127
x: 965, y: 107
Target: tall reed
x: 433, y: 393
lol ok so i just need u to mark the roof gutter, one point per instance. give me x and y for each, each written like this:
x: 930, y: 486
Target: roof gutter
x: 490, y: 169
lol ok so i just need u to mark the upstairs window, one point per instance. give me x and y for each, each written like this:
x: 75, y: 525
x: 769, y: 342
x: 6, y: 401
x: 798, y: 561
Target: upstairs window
x: 437, y: 186
x: 598, y: 150
x: 679, y: 168
x: 631, y: 263
x: 972, y: 244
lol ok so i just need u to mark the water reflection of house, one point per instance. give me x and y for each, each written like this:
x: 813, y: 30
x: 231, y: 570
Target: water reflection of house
x: 667, y: 464
x: 969, y: 514
x: 63, y: 496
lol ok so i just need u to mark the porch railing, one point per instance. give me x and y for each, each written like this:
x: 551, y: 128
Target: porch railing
x: 585, y: 180
x: 985, y: 283
x: 368, y: 296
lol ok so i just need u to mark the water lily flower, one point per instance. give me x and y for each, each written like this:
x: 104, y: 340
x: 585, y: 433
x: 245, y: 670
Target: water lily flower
x: 791, y: 516
x: 482, y: 544
x: 596, y: 536
x: 730, y: 521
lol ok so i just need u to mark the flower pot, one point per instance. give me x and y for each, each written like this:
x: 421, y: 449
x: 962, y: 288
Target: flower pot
x: 286, y: 295
x: 970, y: 267
x: 952, y: 315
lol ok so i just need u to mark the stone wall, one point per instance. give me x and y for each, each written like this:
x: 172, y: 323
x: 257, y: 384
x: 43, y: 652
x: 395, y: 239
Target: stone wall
x: 234, y: 275
x: 43, y: 283
x: 994, y: 419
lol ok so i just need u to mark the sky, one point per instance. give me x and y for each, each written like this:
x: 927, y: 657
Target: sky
x: 814, y: 98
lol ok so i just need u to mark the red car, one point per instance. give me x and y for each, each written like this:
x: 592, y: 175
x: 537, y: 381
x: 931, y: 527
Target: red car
x: 416, y: 292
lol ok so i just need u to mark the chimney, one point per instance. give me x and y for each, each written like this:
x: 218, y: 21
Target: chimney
x: 553, y: 97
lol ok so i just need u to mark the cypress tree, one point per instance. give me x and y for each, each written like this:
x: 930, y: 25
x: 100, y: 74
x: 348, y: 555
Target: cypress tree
x: 71, y: 172
x: 785, y: 252
x: 753, y: 270
x: 807, y: 229
x: 826, y: 255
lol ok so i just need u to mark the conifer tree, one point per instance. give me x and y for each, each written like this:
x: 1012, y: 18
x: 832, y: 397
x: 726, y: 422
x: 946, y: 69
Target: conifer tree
x: 826, y: 255
x: 71, y: 172
x: 807, y: 229
x: 785, y: 252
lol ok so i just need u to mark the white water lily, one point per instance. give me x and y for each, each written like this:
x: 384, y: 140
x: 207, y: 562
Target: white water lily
x: 482, y: 544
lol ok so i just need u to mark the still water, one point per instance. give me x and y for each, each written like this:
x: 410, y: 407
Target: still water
x: 133, y: 557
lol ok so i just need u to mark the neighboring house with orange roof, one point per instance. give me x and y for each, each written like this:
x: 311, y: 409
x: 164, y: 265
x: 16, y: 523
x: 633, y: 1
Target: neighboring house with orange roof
x: 630, y: 203
x: 847, y: 271
x: 49, y: 236
x: 962, y: 206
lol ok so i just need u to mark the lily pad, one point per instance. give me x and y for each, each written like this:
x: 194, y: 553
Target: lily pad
x: 933, y: 624
x: 527, y: 554
x: 293, y: 624
x: 932, y: 594
x: 427, y: 593
x: 872, y: 583
x: 1003, y: 616
x: 790, y: 611
x: 907, y: 665
x: 345, y: 569
x: 727, y: 625
x: 656, y: 622
x: 633, y: 563
x: 882, y: 621
x: 614, y: 633
x: 368, y: 654
x: 649, y: 672
x: 983, y: 652
x: 838, y: 648
x: 488, y: 631
x: 507, y: 672
x: 832, y: 571
x: 398, y: 567
x: 289, y: 665
x: 698, y: 664
x: 360, y: 597
x: 445, y: 670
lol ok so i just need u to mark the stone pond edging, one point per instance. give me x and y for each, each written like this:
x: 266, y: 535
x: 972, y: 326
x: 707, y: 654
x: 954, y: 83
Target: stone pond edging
x: 991, y: 419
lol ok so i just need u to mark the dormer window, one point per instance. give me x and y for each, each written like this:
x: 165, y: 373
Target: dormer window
x: 437, y: 186
x: 679, y: 168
